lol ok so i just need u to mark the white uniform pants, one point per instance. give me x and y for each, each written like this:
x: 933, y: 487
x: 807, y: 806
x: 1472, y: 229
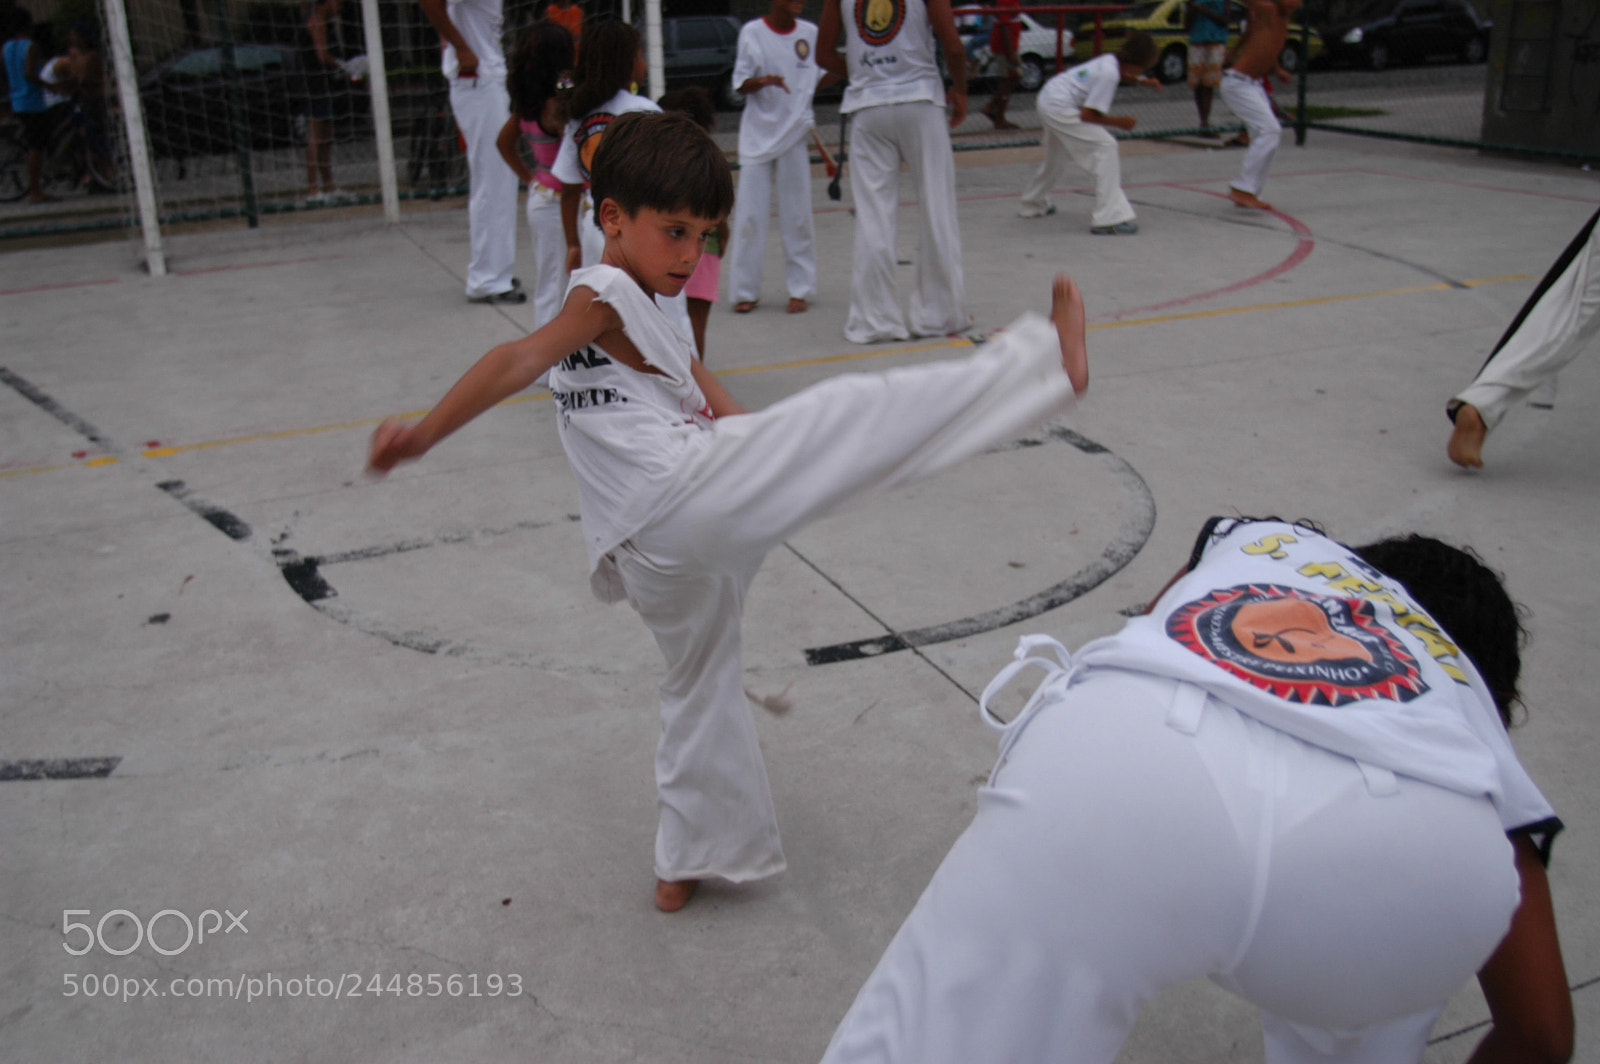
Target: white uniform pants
x: 1246, y: 98
x: 1550, y: 331
x: 1137, y: 834
x: 751, y: 482
x: 792, y: 173
x: 549, y: 253
x: 881, y: 138
x: 1092, y: 147
x: 481, y: 106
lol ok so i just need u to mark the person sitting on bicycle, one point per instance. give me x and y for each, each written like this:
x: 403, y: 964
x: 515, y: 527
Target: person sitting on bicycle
x: 23, y: 62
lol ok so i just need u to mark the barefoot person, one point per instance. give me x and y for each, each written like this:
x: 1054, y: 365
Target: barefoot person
x: 1291, y: 775
x: 681, y: 492
x: 1558, y: 320
x: 1256, y: 57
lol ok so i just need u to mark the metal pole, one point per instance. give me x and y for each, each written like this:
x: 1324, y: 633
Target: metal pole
x: 144, y: 184
x: 1305, y: 63
x: 378, y: 80
x: 652, y: 49
x: 236, y: 120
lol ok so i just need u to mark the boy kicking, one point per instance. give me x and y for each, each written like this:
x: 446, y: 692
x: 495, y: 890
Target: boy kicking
x: 1073, y: 105
x: 682, y: 493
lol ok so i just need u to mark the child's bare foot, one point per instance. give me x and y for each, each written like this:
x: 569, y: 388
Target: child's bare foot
x: 745, y: 307
x: 1066, y: 310
x: 1466, y: 442
x: 1241, y: 198
x: 670, y: 897
x: 798, y: 305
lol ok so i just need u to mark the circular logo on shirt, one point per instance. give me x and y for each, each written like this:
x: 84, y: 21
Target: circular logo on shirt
x: 588, y: 136
x: 878, y: 21
x: 802, y: 48
x: 1298, y: 645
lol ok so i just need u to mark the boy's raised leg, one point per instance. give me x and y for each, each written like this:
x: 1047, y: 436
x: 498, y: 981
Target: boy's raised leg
x: 1466, y: 442
x: 1066, y: 311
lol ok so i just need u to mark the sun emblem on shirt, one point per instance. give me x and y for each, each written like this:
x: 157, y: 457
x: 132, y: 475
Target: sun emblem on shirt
x: 588, y: 137
x: 802, y: 48
x: 1298, y: 645
x: 879, y: 21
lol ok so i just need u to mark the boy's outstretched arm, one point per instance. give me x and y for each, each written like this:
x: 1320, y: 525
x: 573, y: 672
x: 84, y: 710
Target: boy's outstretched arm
x: 500, y: 374
x: 722, y: 404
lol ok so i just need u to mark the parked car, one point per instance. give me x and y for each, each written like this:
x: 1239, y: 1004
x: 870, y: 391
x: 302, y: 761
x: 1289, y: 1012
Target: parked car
x: 1163, y: 20
x: 1036, y: 50
x: 1379, y: 33
x: 187, y: 111
x: 700, y: 50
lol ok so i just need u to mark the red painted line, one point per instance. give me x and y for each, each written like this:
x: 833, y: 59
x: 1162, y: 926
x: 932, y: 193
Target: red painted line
x: 255, y: 265
x: 54, y: 287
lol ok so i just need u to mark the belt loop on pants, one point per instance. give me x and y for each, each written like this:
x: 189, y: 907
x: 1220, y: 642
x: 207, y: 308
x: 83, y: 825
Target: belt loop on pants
x: 1188, y: 704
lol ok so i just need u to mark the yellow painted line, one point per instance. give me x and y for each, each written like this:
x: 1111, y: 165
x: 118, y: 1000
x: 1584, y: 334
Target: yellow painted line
x: 850, y: 356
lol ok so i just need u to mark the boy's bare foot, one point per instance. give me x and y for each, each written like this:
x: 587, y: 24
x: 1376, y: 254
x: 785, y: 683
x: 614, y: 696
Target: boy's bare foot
x: 1066, y: 310
x: 670, y: 897
x: 798, y: 305
x: 746, y: 307
x: 1466, y: 442
x: 1241, y: 198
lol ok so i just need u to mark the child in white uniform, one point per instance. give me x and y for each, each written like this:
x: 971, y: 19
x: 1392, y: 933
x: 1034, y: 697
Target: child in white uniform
x: 1290, y: 775
x: 776, y: 71
x: 1074, y: 108
x: 682, y: 493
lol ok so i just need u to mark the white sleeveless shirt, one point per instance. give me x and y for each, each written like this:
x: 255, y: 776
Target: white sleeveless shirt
x: 625, y: 432
x: 891, y: 52
x: 1293, y: 629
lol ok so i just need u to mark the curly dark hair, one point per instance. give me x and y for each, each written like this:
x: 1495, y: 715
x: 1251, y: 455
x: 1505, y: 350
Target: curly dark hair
x: 1468, y: 600
x: 662, y: 161
x: 543, y: 55
x: 605, y: 64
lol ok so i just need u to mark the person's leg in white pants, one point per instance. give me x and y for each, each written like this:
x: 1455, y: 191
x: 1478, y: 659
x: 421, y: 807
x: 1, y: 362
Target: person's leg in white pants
x: 754, y: 480
x: 938, y: 292
x: 875, y: 188
x: 549, y: 253
x: 748, y: 235
x: 1095, y: 149
x: 1036, y: 197
x: 1246, y: 98
x: 481, y: 106
x: 1560, y: 320
x: 1124, y: 844
x: 795, y: 224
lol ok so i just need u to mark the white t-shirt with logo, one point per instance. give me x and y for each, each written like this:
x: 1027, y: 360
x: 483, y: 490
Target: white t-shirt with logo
x: 582, y: 136
x: 626, y: 433
x: 774, y: 120
x: 479, y: 24
x: 1092, y: 84
x: 890, y: 51
x: 1295, y: 630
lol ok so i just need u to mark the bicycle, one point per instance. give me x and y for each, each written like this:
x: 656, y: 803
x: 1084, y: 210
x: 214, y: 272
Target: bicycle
x: 13, y: 162
x: 77, y: 157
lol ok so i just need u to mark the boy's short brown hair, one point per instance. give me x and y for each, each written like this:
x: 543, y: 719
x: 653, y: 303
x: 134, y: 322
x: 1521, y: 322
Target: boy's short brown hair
x: 661, y: 161
x: 1138, y: 50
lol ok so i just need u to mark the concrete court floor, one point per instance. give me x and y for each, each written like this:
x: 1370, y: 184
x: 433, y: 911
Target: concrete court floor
x: 441, y: 767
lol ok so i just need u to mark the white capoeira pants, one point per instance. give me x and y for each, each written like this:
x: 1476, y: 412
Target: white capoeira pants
x: 1246, y: 98
x: 1092, y: 147
x: 791, y: 171
x: 1136, y: 833
x: 549, y: 253
x: 749, y: 483
x: 881, y: 138
x: 481, y: 106
x: 1557, y: 322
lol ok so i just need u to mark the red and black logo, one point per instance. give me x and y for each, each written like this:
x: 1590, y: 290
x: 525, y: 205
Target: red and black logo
x: 878, y: 21
x: 587, y: 137
x: 1298, y: 645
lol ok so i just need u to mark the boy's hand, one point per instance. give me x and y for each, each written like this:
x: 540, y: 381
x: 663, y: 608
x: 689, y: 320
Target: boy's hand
x: 1126, y: 123
x: 393, y: 442
x: 466, y: 62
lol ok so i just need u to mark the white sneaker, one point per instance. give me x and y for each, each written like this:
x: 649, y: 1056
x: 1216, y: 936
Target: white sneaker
x: 1037, y: 212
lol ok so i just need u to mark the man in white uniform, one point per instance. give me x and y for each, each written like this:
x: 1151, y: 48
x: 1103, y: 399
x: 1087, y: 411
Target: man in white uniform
x: 1558, y: 320
x: 476, y: 69
x: 896, y: 100
x: 1289, y: 775
x: 777, y: 72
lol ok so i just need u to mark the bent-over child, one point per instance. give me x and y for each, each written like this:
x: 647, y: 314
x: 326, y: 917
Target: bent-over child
x: 682, y: 493
x: 1073, y: 106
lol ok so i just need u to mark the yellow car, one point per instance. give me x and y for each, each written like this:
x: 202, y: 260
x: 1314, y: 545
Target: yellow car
x: 1163, y: 20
